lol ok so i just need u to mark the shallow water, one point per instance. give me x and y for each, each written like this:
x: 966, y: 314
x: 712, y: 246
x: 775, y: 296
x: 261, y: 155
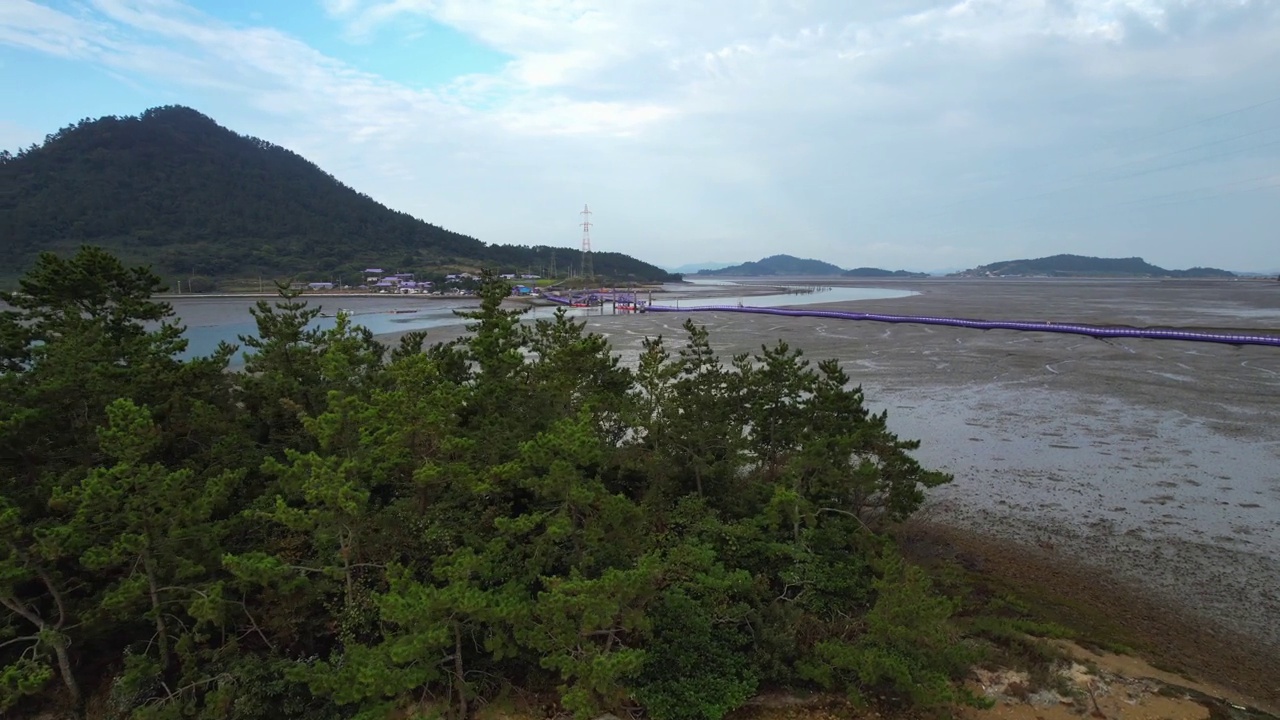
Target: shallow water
x: 789, y: 299
x: 210, y: 321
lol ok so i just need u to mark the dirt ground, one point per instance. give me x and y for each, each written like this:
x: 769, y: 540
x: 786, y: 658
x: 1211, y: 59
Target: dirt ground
x: 1142, y: 475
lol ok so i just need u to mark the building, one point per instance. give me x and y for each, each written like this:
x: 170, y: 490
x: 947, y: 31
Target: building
x: 320, y: 285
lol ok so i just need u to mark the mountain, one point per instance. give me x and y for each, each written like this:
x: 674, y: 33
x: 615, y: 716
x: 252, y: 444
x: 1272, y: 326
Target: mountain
x: 174, y: 189
x: 692, y: 268
x: 777, y: 265
x: 790, y: 265
x: 1084, y: 266
x: 869, y: 272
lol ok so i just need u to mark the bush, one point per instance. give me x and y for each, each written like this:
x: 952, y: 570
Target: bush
x: 696, y: 666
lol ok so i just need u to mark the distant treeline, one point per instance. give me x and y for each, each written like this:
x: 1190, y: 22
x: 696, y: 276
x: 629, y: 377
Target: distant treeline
x: 1080, y: 265
x: 789, y: 265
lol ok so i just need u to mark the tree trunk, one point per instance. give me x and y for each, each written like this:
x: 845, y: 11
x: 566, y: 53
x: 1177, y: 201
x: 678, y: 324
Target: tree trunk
x: 346, y: 568
x: 162, y: 632
x: 60, y: 645
x: 58, y: 640
x: 457, y: 669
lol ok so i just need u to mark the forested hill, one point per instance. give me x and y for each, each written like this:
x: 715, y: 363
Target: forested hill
x: 791, y: 265
x: 777, y: 265
x: 869, y: 272
x: 174, y: 189
x: 1084, y: 266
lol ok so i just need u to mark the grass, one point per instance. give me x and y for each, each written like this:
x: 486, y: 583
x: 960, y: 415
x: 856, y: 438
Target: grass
x: 1017, y: 620
x: 1001, y: 608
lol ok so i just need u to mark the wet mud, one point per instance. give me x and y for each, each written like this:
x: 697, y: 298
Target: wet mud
x: 1152, y: 464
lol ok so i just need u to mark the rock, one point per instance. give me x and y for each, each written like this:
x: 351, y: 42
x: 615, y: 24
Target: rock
x: 1044, y: 699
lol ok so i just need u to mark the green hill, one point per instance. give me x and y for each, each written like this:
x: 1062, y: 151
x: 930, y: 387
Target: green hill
x: 1085, y: 266
x: 777, y: 265
x: 869, y: 272
x: 174, y: 189
x: 790, y: 265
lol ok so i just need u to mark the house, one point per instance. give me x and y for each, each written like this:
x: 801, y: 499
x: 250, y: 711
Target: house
x: 527, y: 276
x: 508, y: 276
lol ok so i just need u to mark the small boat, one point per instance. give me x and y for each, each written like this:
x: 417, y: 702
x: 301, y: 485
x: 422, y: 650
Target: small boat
x: 404, y: 311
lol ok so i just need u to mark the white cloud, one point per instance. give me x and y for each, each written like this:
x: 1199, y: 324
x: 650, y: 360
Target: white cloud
x: 900, y: 132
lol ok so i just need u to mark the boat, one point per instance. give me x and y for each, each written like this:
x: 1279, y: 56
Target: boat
x: 404, y: 311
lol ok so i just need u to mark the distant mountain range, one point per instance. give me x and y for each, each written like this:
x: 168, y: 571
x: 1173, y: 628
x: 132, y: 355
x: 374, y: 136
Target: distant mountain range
x: 870, y: 272
x: 1084, y: 266
x: 173, y: 189
x: 789, y: 265
x: 692, y: 268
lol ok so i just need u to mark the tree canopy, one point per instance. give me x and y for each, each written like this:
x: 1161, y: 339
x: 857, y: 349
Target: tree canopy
x: 344, y: 531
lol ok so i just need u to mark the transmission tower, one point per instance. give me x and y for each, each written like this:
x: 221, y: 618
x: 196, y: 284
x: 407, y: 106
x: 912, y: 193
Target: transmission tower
x: 588, y: 272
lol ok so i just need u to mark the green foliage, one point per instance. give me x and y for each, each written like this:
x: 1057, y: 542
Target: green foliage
x: 21, y: 678
x: 908, y: 649
x: 697, y: 662
x: 173, y: 189
x: 343, y: 532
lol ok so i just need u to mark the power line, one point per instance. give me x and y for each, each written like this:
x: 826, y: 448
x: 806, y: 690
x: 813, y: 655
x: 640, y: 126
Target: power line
x: 1149, y: 171
x: 1211, y: 118
x: 1075, y: 180
x: 1138, y: 205
x: 1192, y: 191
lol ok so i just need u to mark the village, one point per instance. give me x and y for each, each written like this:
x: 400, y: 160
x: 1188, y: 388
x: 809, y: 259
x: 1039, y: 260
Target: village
x: 378, y: 280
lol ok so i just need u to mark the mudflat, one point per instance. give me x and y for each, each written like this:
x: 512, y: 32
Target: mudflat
x: 1128, y: 471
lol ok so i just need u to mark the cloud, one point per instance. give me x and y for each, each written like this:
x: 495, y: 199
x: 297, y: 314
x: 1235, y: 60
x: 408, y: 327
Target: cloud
x: 899, y: 132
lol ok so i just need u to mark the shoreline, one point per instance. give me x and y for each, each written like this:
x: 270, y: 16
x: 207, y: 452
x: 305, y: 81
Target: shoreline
x: 1143, y: 465
x: 1138, y: 473
x: 1071, y: 592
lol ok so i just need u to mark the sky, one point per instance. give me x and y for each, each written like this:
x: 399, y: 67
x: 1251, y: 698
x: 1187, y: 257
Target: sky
x: 916, y: 134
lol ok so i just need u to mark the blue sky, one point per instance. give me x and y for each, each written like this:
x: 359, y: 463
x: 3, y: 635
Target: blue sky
x: 919, y: 134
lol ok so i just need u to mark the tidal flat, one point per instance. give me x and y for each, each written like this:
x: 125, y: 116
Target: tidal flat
x: 1141, y: 477
x: 1148, y: 469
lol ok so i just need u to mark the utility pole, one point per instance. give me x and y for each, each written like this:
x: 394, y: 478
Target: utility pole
x: 588, y: 272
